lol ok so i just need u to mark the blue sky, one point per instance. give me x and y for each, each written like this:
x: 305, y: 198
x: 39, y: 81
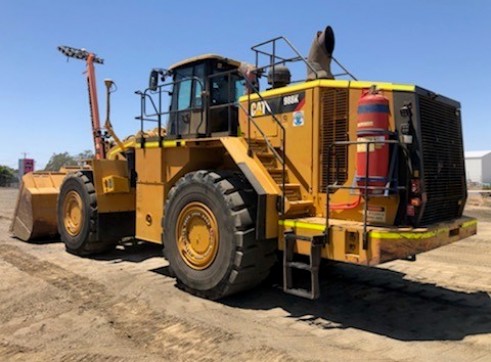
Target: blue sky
x: 441, y: 45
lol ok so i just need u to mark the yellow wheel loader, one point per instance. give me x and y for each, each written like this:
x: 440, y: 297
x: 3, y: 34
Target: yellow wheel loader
x: 232, y: 176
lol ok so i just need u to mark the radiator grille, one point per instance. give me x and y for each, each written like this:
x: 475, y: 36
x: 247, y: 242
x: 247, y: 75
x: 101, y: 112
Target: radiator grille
x: 333, y: 128
x: 443, y: 160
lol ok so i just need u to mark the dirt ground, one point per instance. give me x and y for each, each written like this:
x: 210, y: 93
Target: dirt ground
x: 124, y: 306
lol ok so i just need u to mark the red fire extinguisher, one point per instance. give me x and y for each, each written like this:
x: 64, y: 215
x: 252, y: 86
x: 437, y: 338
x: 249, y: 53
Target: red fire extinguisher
x: 372, y: 160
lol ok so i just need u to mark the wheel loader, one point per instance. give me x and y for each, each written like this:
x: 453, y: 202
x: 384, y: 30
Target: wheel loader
x: 230, y: 176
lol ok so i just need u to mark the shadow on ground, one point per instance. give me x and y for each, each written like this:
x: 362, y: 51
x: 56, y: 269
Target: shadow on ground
x: 382, y: 302
x: 375, y: 300
x: 134, y: 252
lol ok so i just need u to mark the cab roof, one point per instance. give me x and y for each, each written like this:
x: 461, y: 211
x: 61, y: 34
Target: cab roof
x: 191, y: 60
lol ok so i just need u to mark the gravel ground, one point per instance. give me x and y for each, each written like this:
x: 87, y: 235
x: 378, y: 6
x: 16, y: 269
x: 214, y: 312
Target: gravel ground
x: 124, y: 306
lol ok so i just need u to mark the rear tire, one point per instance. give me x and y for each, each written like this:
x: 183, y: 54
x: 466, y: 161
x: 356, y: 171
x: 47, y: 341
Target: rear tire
x: 209, y: 235
x: 77, y: 216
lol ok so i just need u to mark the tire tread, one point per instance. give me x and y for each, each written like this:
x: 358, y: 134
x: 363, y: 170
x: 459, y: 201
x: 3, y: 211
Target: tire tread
x: 252, y: 259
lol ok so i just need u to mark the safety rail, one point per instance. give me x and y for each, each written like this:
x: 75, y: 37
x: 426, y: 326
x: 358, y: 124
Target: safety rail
x: 392, y: 179
x: 156, y: 116
x: 275, y: 59
x: 280, y: 158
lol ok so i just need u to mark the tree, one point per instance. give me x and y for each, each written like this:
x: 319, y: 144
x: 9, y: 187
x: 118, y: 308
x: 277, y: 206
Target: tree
x: 59, y: 160
x: 85, y: 155
x: 7, y: 176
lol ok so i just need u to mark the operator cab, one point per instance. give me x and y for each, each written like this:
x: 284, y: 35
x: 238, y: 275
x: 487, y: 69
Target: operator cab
x: 203, y: 95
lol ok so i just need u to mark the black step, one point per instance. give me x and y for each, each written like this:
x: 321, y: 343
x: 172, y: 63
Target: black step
x: 299, y: 292
x: 299, y: 265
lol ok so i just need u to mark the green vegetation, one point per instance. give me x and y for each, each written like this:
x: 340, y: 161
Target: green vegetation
x: 59, y: 160
x: 7, y: 176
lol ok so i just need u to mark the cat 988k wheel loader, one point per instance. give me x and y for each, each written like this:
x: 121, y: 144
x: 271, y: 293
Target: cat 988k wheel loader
x: 231, y: 176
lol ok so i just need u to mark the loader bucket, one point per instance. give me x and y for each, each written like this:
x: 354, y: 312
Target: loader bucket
x: 35, y: 212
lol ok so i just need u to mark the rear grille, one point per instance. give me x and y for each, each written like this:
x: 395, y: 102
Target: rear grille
x: 333, y: 128
x: 443, y: 160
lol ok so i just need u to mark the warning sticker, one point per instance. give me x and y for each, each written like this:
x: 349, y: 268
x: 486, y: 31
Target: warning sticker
x: 362, y: 147
x: 376, y: 214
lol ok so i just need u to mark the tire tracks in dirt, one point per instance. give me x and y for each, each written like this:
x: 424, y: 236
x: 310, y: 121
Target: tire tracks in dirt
x: 163, y: 335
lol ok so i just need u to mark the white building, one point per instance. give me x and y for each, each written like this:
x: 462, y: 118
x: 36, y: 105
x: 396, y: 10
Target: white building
x: 478, y: 166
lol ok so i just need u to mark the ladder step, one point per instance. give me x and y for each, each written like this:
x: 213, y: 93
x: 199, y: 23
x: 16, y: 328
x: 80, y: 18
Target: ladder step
x: 267, y: 159
x: 277, y: 175
x: 259, y: 147
x: 317, y: 242
x: 292, y: 191
x: 292, y: 186
x: 302, y: 293
x: 299, y: 207
x: 301, y: 266
x: 300, y: 204
x: 265, y: 155
x: 294, y: 237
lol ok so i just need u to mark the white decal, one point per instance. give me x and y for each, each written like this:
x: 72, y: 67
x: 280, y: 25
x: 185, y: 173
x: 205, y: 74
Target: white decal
x: 293, y: 99
x: 298, y: 119
x: 260, y: 108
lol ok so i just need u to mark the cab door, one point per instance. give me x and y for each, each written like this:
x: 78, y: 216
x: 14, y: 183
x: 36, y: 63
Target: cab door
x: 187, y: 118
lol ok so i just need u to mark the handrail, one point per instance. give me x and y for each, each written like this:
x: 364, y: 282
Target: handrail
x: 346, y: 71
x: 268, y: 143
x: 281, y: 159
x: 148, y: 93
x: 273, y: 55
x: 365, y: 188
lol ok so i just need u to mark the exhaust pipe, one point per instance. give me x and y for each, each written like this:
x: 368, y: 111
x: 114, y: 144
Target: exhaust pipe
x: 320, y: 55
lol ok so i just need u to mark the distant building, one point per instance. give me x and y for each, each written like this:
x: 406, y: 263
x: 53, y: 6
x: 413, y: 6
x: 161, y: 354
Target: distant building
x: 478, y: 166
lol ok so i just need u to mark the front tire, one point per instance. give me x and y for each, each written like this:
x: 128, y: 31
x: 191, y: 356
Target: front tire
x: 77, y: 216
x: 209, y: 235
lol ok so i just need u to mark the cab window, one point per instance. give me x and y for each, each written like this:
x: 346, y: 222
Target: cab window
x: 184, y: 94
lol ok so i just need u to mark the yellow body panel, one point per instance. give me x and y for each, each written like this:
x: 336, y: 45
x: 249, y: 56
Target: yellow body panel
x: 149, y: 211
x: 112, y: 202
x: 150, y: 193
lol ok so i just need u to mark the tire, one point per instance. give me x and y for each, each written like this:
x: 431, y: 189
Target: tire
x: 77, y: 216
x: 223, y: 204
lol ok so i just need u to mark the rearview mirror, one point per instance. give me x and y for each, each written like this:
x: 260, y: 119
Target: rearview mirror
x: 154, y: 80
x: 153, y: 83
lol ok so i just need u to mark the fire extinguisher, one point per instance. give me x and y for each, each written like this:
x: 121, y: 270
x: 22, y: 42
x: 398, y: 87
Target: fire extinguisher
x: 372, y: 159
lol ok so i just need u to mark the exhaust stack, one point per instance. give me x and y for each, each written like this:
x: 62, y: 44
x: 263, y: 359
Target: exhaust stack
x: 320, y: 55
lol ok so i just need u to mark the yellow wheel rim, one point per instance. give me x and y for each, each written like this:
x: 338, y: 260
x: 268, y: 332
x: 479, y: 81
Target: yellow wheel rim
x: 72, y: 213
x: 197, y: 235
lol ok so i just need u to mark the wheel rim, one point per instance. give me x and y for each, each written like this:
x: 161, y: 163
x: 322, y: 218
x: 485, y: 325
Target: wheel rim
x: 197, y: 235
x: 72, y: 213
